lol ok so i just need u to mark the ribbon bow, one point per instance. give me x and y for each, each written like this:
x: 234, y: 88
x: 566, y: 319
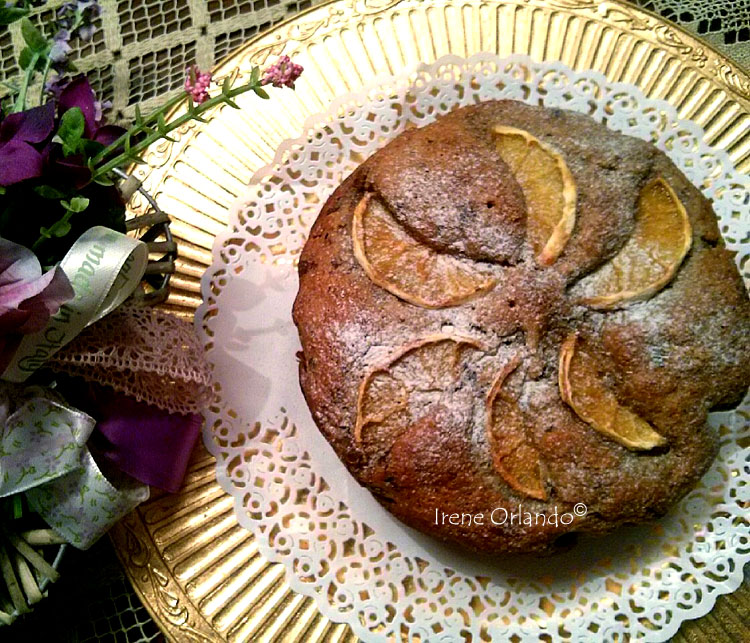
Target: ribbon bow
x: 43, y: 452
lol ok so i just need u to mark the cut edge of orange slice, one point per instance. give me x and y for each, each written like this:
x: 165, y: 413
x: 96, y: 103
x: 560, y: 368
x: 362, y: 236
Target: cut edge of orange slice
x: 625, y: 297
x: 538, y: 491
x: 560, y: 235
x: 500, y: 378
x: 392, y: 359
x: 645, y: 438
x: 379, y: 279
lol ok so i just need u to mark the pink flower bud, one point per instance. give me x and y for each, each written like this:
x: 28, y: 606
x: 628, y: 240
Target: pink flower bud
x: 282, y: 74
x: 196, y: 84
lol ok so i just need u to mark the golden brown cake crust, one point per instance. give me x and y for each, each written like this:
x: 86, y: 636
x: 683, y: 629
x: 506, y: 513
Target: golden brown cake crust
x: 670, y: 358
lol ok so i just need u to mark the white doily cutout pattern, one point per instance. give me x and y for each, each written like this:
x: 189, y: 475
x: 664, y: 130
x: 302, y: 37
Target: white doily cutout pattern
x: 337, y: 544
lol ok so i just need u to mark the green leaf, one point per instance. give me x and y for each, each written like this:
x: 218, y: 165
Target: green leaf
x: 134, y: 158
x: 138, y: 117
x: 2, y: 190
x: 32, y: 36
x: 162, y: 124
x: 60, y: 228
x: 48, y: 192
x: 163, y: 128
x: 103, y: 180
x: 255, y: 75
x: 70, y: 132
x: 261, y: 92
x: 226, y: 85
x: 91, y: 148
x: 9, y: 15
x: 78, y: 204
x: 25, y: 58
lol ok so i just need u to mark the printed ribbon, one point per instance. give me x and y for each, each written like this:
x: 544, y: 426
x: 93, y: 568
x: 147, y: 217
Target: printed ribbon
x: 104, y: 267
x: 43, y: 452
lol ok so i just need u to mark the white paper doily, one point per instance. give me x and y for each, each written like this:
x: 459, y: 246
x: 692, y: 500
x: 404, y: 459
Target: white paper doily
x: 338, y: 545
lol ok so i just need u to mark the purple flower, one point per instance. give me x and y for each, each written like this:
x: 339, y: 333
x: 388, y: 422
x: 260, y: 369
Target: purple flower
x: 196, y: 84
x: 86, y: 32
x: 81, y: 13
x: 28, y: 298
x: 101, y: 106
x: 90, y: 9
x: 55, y: 84
x: 66, y: 15
x: 26, y: 147
x: 21, y: 136
x: 62, y: 35
x: 60, y: 49
x: 78, y: 93
x: 282, y: 74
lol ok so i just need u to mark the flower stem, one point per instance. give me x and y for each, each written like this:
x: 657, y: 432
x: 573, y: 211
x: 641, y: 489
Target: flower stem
x: 193, y: 112
x: 45, y: 73
x: 114, y: 145
x: 21, y: 99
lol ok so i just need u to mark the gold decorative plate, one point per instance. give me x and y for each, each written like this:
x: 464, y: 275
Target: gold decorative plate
x: 198, y: 572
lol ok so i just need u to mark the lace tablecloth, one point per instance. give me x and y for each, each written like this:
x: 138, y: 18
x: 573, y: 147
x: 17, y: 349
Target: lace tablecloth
x: 138, y: 56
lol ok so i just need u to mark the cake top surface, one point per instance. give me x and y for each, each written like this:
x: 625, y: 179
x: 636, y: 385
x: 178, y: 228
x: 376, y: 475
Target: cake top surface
x: 517, y: 305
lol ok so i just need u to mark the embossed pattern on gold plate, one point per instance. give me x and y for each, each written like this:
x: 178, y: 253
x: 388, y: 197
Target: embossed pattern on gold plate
x: 198, y: 572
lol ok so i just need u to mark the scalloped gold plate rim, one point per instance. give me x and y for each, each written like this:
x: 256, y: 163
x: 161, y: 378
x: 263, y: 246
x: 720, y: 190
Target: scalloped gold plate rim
x: 180, y: 551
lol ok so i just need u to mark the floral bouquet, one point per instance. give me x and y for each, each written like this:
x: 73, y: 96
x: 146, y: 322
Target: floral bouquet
x: 99, y: 397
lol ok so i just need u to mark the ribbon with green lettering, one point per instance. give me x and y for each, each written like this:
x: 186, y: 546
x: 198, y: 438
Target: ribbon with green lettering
x: 104, y: 267
x: 43, y: 453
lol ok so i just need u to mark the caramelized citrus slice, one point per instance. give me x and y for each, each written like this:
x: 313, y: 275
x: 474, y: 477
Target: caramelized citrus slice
x: 394, y: 260
x: 512, y: 456
x: 419, y: 373
x: 596, y: 405
x: 548, y: 188
x: 650, y: 258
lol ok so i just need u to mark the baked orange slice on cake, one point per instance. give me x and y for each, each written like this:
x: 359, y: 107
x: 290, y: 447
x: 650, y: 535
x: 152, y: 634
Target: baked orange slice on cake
x: 407, y: 268
x: 430, y: 366
x: 513, y: 457
x: 651, y: 256
x: 548, y: 189
x: 582, y: 390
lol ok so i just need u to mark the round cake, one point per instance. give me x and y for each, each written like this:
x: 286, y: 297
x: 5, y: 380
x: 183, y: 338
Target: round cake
x: 514, y: 323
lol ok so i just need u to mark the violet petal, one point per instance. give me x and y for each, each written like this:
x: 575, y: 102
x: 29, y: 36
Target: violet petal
x: 107, y: 134
x: 79, y: 94
x: 17, y: 263
x: 10, y: 126
x: 33, y: 125
x: 28, y: 298
x: 19, y: 161
x: 38, y: 125
x: 13, y: 293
